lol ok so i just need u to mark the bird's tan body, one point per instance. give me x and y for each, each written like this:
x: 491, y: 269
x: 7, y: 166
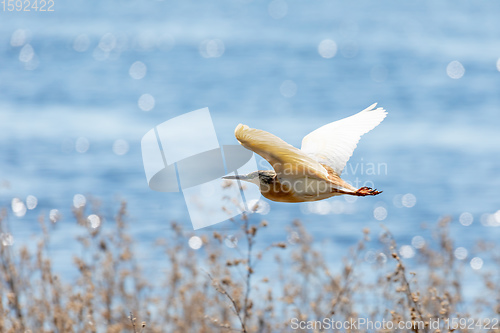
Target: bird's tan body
x: 279, y: 192
x: 283, y: 193
x: 305, y: 188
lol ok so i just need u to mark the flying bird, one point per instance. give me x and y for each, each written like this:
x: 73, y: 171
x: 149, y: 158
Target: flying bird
x: 312, y: 172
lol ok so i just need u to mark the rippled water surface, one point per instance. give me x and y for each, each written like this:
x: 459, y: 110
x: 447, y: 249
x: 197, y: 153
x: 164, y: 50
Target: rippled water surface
x: 81, y: 85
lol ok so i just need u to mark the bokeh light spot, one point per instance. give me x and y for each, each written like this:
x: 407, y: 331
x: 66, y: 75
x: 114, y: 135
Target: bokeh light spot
x: 476, y: 263
x: 327, y: 48
x: 18, y: 207
x: 138, y: 70
x: 397, y: 201
x: 408, y: 200
x: 211, y: 48
x: 27, y: 53
x: 418, y: 242
x: 107, y: 42
x: 380, y: 213
x: 146, y: 102
x: 370, y: 256
x: 320, y: 207
x: 466, y: 219
x: 288, y: 88
x: 195, y: 242
x: 31, y: 202
x: 54, y: 215
x: 79, y: 200
x: 491, y: 220
x: 460, y: 253
x: 82, y: 145
x: 7, y: 239
x: 94, y: 221
x: 19, y: 38
x: 406, y: 251
x: 455, y: 70
x: 120, y: 147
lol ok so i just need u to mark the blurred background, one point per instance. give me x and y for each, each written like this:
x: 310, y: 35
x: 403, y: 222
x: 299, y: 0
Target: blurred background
x: 81, y: 85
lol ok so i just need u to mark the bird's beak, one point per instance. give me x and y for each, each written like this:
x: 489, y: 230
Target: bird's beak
x: 251, y: 178
x: 240, y: 177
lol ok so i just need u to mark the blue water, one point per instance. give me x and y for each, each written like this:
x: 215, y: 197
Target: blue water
x: 439, y: 143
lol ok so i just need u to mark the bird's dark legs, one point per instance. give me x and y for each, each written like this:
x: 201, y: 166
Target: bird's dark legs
x: 361, y: 192
x: 364, y: 191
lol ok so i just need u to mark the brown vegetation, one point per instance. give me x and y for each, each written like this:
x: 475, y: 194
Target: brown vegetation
x: 220, y: 289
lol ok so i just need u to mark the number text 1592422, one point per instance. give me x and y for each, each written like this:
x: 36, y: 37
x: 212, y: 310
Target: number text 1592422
x: 27, y: 5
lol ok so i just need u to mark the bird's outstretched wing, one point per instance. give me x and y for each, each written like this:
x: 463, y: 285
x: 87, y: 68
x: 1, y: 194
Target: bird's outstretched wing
x: 334, y: 143
x: 286, y: 160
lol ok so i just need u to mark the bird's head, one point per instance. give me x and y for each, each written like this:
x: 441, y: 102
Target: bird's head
x: 257, y: 177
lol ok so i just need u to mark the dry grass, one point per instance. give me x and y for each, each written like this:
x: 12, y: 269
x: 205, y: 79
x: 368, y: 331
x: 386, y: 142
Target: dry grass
x: 219, y: 289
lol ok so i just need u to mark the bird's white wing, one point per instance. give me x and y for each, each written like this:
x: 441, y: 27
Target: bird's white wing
x: 286, y: 159
x: 334, y: 143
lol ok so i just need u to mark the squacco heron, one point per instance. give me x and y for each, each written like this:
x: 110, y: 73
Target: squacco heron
x: 313, y: 172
